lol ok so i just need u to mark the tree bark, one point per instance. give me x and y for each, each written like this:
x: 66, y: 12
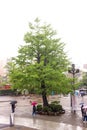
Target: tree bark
x: 44, y: 97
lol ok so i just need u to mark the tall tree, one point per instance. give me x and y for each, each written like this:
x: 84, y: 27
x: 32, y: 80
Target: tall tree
x: 41, y: 61
x: 84, y: 79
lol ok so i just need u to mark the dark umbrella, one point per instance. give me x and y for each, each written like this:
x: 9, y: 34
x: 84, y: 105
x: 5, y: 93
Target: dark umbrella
x: 13, y: 102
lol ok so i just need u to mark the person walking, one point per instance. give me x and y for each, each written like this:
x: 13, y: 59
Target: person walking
x: 82, y: 111
x: 34, y: 108
x: 13, y: 106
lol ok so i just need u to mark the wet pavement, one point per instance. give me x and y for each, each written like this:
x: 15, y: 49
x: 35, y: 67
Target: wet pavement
x: 23, y: 117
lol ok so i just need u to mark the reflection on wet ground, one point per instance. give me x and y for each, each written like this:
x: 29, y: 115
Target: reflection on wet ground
x: 16, y: 128
x: 39, y: 124
x: 67, y: 121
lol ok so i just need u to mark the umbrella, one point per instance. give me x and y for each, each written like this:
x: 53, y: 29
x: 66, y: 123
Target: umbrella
x: 82, y: 93
x: 81, y: 103
x: 34, y: 103
x: 13, y: 102
x: 84, y: 107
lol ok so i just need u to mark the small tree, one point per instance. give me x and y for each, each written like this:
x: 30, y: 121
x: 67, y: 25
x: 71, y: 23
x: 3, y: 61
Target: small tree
x: 84, y: 80
x: 40, y: 62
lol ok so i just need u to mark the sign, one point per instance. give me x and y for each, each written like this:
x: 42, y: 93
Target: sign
x: 5, y: 87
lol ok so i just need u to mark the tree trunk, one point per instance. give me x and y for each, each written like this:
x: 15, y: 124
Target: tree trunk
x: 44, y: 97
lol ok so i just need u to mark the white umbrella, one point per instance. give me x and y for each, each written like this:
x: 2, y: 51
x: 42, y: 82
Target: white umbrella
x: 84, y: 107
x: 81, y: 103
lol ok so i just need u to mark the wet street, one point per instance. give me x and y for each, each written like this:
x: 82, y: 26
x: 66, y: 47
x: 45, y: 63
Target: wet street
x: 23, y: 116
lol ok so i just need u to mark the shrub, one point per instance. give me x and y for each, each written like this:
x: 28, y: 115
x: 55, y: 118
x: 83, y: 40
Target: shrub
x: 52, y: 109
x: 46, y: 109
x: 39, y: 108
x: 59, y: 107
x: 55, y: 107
x: 55, y: 102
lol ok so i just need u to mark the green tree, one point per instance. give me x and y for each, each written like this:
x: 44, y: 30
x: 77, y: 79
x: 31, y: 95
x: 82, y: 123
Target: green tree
x: 84, y: 80
x: 41, y: 62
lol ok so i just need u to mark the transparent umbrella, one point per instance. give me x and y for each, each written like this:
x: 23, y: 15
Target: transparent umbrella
x: 81, y: 103
x: 85, y: 107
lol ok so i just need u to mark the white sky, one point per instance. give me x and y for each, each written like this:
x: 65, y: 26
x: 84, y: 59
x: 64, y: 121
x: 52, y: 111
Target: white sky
x: 68, y: 17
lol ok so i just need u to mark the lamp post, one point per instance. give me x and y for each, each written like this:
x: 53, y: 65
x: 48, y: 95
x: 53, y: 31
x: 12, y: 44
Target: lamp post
x: 73, y: 71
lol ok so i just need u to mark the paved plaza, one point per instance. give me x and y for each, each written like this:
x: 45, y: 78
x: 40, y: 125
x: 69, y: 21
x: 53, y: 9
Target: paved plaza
x: 23, y: 115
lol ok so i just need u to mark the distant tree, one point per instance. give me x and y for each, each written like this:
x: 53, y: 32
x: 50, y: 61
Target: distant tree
x: 41, y: 62
x: 3, y: 80
x: 84, y: 79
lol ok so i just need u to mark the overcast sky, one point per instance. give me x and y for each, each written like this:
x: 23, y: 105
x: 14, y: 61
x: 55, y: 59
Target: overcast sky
x: 68, y: 17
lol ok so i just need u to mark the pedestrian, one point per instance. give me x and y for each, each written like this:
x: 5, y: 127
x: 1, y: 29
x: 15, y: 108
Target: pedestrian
x: 82, y: 110
x: 34, y: 108
x: 13, y: 107
x: 84, y: 115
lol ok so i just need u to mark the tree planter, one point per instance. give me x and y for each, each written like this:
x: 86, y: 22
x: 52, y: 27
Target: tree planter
x: 54, y: 109
x: 58, y: 113
x: 62, y: 112
x: 55, y: 114
x: 50, y: 113
x: 40, y: 112
x: 44, y: 113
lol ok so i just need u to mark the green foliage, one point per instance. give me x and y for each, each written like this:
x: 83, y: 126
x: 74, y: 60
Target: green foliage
x: 7, y: 92
x: 60, y: 107
x: 84, y: 79
x: 46, y: 109
x: 55, y: 107
x: 55, y: 102
x: 41, y: 59
x: 39, y: 108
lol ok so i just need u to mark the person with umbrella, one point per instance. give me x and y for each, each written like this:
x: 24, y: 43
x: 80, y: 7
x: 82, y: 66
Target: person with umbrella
x: 12, y: 113
x: 34, y: 107
x: 13, y: 106
x: 84, y: 109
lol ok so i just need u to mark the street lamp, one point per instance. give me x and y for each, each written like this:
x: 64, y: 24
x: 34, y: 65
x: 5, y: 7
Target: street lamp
x: 73, y: 71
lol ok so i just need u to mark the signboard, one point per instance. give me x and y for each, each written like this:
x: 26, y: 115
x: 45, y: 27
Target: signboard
x: 5, y: 87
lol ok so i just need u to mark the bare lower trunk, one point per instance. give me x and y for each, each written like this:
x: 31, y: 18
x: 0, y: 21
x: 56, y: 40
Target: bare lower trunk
x: 44, y: 96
